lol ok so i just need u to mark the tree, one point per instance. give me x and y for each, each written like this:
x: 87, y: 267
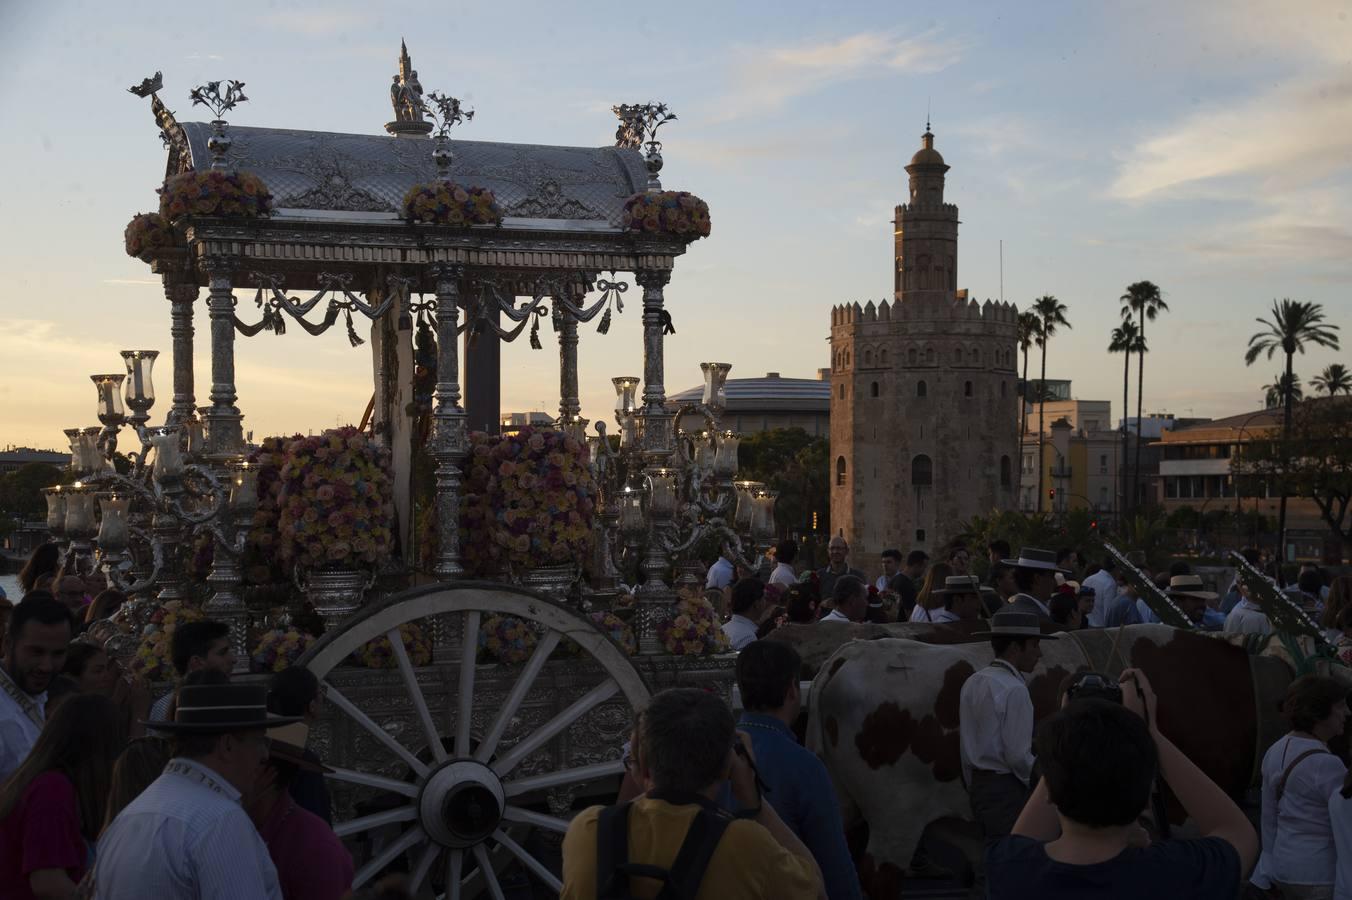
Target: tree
x: 1028, y: 323
x: 1126, y: 339
x: 797, y: 465
x: 1274, y: 395
x: 1293, y: 325
x: 1143, y: 301
x: 21, y: 491
x: 1335, y: 379
x: 1312, y: 459
x: 1051, y: 314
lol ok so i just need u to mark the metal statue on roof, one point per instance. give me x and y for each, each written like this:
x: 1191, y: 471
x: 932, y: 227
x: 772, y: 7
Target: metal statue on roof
x: 406, y: 96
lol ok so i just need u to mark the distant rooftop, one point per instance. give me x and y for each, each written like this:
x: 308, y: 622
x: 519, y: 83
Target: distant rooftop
x: 771, y: 392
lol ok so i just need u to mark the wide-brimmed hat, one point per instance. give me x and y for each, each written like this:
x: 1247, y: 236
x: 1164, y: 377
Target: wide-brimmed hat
x: 1033, y: 558
x: 1011, y: 623
x: 959, y: 584
x: 1189, y: 586
x: 220, y: 709
x: 287, y: 744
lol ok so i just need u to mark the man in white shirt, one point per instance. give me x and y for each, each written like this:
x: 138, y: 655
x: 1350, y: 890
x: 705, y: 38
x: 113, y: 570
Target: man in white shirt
x: 39, y: 635
x: 748, y: 604
x: 1104, y: 585
x: 186, y: 837
x: 851, y: 600
x: 891, y: 566
x: 961, y: 598
x: 1035, y: 574
x: 722, y: 573
x: 995, y: 723
x: 1248, y: 617
x: 785, y: 553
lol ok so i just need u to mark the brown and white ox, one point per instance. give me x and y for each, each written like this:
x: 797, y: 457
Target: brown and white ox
x: 883, y: 716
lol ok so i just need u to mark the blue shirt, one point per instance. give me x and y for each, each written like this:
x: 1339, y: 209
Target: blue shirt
x: 1018, y: 868
x: 1122, y: 612
x: 801, y: 792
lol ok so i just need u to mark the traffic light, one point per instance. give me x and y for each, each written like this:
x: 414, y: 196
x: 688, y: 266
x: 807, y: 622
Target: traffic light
x: 1093, y: 524
x: 1051, y: 493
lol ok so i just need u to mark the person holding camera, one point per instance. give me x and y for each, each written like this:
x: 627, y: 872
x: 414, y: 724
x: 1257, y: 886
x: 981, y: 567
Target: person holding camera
x: 995, y: 722
x: 1078, y: 835
x: 675, y: 834
x: 1300, y: 774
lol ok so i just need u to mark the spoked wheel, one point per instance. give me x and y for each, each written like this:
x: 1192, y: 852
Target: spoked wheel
x: 463, y: 807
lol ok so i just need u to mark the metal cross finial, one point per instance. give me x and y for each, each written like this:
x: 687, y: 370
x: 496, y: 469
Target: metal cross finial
x: 210, y: 96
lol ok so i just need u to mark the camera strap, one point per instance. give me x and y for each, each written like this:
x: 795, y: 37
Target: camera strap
x: 680, y: 882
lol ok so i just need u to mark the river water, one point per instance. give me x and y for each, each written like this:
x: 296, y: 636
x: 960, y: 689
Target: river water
x: 10, y: 583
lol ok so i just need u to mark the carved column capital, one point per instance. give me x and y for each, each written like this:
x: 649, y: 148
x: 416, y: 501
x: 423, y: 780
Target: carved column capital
x: 652, y: 278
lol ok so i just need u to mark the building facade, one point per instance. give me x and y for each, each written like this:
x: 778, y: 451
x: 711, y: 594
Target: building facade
x: 924, y: 405
x: 1080, y: 466
x: 764, y: 404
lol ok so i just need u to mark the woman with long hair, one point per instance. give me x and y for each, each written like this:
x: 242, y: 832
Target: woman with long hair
x: 40, y: 570
x: 927, y: 601
x: 1300, y: 774
x: 51, y: 808
x: 105, y: 604
x: 1340, y: 598
x: 140, y: 763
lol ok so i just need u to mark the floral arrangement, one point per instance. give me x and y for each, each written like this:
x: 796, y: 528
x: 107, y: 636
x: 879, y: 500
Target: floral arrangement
x: 678, y: 214
x: 261, y: 560
x: 378, y: 653
x: 146, y: 232
x: 335, y: 501
x: 214, y: 193
x: 447, y: 203
x: 529, y: 501
x: 279, y: 649
x: 615, y: 628
x: 692, y: 629
x: 507, y: 639
x: 175, y: 612
x: 153, y: 660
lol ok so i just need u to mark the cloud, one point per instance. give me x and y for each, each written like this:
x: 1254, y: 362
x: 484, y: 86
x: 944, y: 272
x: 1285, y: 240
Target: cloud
x: 767, y: 78
x: 317, y: 22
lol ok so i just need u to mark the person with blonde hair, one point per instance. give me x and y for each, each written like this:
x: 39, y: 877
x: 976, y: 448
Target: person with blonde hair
x: 141, y: 762
x: 927, y: 601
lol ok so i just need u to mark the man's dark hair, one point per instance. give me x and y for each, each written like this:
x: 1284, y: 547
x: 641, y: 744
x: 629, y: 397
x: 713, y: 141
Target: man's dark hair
x: 1061, y: 606
x: 291, y: 691
x: 998, y: 571
x: 1000, y: 548
x: 1025, y: 579
x: 1311, y: 582
x: 685, y: 738
x: 40, y: 607
x: 1310, y: 700
x: 746, y: 594
x: 802, y: 602
x: 917, y: 558
x: 892, y: 554
x: 1180, y: 567
x: 78, y: 657
x: 846, y: 587
x: 1064, y: 554
x: 786, y: 552
x: 1002, y: 642
x: 765, y: 672
x: 1099, y: 762
x: 1092, y: 569
x: 1111, y: 566
x: 194, y: 639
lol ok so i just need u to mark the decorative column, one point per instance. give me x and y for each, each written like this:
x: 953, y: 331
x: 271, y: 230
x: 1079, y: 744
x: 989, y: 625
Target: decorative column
x: 225, y: 434
x: 181, y: 295
x: 569, y: 405
x: 655, y: 597
x: 450, y: 441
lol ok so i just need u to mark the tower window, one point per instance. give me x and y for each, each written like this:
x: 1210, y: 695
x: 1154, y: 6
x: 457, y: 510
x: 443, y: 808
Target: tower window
x: 967, y: 389
x: 920, y: 535
x: 921, y: 389
x: 1004, y: 471
x: 882, y: 357
x: 922, y: 471
x: 868, y: 357
x: 1002, y: 389
x: 873, y: 389
x: 840, y: 470
x: 957, y: 356
x: 911, y: 358
x: 842, y: 391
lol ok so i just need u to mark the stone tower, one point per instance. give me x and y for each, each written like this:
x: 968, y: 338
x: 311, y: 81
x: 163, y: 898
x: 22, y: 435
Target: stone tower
x: 924, y: 412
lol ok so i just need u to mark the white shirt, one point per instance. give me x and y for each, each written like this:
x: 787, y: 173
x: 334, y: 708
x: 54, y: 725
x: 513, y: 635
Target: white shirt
x: 740, y: 631
x: 941, y: 615
x: 1105, y: 591
x: 18, y: 731
x: 1340, y: 820
x: 995, y: 722
x: 185, y: 838
x: 720, y: 574
x: 1248, y: 618
x: 1297, y: 837
x: 783, y: 574
x: 835, y: 615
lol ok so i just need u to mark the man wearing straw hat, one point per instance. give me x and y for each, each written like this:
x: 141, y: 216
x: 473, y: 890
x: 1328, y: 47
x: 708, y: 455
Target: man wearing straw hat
x: 995, y: 723
x: 1035, y: 574
x: 186, y: 837
x: 961, y: 598
x: 1189, y: 593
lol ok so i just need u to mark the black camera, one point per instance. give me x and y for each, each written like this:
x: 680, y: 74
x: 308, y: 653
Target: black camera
x: 1093, y: 686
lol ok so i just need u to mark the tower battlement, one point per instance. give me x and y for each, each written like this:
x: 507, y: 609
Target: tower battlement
x: 995, y: 312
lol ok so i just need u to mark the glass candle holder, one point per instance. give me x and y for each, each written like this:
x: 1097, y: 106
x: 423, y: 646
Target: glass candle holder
x: 140, y: 389
x: 79, y: 511
x: 663, y: 499
x: 110, y: 409
x: 113, y: 525
x: 632, y: 523
x: 725, y: 459
x: 744, y: 513
x: 56, y: 508
x: 168, y: 463
x: 626, y: 390
x: 715, y: 380
x: 244, y: 491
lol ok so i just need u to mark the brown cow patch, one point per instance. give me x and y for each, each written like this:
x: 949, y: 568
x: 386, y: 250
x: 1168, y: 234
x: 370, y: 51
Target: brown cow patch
x: 879, y: 882
x: 835, y: 666
x: 888, y: 731
x: 832, y: 730
x: 1045, y: 690
x: 884, y: 735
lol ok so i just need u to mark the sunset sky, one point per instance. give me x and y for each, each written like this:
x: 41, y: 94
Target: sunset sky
x: 1203, y: 146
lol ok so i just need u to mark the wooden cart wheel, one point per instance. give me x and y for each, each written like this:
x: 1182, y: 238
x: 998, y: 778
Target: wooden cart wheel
x: 464, y: 792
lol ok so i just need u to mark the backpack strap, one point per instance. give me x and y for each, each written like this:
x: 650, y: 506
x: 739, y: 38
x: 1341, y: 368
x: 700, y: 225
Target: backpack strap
x: 612, y: 852
x: 1281, y: 782
x: 697, y: 850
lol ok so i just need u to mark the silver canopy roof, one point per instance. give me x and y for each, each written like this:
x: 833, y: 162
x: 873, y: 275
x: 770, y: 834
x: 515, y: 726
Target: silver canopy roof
x: 365, y: 177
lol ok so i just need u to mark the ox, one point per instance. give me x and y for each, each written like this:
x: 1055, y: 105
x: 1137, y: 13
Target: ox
x: 884, y: 719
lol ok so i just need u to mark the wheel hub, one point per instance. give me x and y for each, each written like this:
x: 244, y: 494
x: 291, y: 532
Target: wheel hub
x: 461, y: 803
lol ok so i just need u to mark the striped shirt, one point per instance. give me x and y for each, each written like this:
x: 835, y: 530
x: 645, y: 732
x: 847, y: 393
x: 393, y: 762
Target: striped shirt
x: 185, y: 838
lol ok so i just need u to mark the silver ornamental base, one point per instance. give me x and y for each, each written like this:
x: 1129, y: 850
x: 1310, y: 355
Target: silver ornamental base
x: 335, y: 593
x: 552, y: 581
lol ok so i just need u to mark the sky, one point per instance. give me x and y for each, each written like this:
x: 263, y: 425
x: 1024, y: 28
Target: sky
x: 1203, y: 146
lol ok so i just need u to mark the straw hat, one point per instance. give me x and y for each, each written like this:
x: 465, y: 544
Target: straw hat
x: 1189, y: 586
x: 1033, y: 558
x: 1015, y: 624
x: 220, y: 709
x: 959, y: 584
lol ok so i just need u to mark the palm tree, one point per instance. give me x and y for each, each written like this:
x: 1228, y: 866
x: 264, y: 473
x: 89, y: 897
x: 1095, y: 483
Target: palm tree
x: 1294, y: 324
x: 1027, y: 334
x: 1143, y: 301
x: 1125, y: 339
x: 1051, y: 314
x: 1335, y: 379
x: 1274, y: 395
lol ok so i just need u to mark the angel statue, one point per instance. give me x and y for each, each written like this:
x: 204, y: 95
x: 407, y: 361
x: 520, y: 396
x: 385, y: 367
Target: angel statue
x: 413, y: 97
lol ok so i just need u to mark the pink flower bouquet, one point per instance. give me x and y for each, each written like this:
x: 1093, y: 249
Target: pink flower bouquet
x: 692, y: 629
x: 279, y: 649
x: 677, y: 214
